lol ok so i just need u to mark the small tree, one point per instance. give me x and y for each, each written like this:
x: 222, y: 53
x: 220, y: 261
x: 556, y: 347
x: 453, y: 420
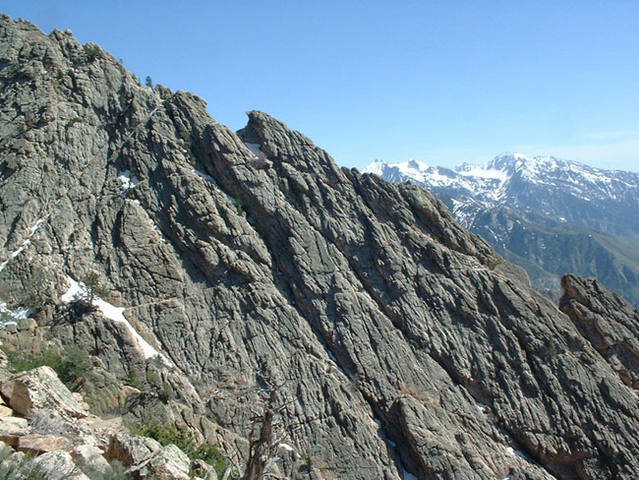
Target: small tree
x: 94, y: 287
x: 91, y: 51
x: 148, y: 81
x: 268, y: 430
x: 261, y: 446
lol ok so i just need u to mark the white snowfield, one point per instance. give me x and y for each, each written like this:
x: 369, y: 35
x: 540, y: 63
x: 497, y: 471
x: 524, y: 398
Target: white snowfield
x: 77, y: 291
x: 25, y: 243
x: 13, y: 315
x: 490, y: 182
x: 545, y: 184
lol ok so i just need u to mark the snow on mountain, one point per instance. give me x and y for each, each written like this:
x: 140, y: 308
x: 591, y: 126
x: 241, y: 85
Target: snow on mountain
x: 549, y: 185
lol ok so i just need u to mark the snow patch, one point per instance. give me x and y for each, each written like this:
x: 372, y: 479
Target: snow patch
x: 286, y: 447
x: 516, y: 453
x: 77, y: 291
x: 377, y: 168
x: 14, y: 315
x: 255, y: 149
x: 209, y: 178
x: 484, y: 172
x: 205, y: 176
x: 25, y: 243
x: 127, y: 182
x: 408, y: 476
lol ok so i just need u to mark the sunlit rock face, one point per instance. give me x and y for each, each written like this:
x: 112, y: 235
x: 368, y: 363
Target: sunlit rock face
x: 403, y: 346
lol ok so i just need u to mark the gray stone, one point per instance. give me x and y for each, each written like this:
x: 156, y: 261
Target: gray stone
x: 168, y: 463
x: 398, y: 340
x: 27, y: 324
x: 39, y: 389
x: 90, y: 460
x: 131, y: 449
x: 57, y: 466
x: 607, y: 321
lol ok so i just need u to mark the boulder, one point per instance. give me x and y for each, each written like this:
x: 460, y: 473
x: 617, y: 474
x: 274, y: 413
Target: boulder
x: 12, y: 428
x: 91, y: 461
x: 131, y: 449
x: 6, y: 389
x: 41, y: 388
x: 27, y: 325
x: 12, y: 461
x: 57, y: 466
x: 203, y: 469
x: 37, y: 444
x: 168, y: 463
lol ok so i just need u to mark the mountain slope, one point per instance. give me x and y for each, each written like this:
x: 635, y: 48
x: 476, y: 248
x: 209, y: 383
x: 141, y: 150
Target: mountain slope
x: 401, y: 342
x: 547, y: 215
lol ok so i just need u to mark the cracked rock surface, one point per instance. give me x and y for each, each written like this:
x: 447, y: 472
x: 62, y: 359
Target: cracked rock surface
x: 402, y: 342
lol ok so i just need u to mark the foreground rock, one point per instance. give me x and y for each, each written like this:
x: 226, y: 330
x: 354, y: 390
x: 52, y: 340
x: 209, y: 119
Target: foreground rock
x: 130, y: 450
x: 167, y: 463
x: 41, y: 389
x: 60, y: 446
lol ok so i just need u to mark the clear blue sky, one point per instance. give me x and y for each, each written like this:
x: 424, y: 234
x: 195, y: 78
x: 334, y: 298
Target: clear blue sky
x: 443, y: 82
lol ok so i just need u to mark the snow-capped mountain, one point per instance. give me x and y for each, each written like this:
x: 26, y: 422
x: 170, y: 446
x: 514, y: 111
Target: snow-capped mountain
x: 536, y: 211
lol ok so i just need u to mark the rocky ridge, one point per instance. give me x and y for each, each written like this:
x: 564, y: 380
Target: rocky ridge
x: 401, y: 344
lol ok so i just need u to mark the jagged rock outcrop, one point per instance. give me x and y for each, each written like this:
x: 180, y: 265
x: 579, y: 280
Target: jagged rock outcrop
x: 399, y: 341
x: 607, y: 321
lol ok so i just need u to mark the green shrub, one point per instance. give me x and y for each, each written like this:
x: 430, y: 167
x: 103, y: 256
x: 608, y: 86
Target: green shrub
x: 184, y: 440
x: 212, y: 455
x: 91, y: 51
x: 166, y: 434
x: 95, y: 288
x: 72, y: 122
x: 133, y: 379
x: 72, y: 364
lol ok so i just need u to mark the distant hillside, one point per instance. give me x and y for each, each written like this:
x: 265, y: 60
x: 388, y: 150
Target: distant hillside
x: 548, y: 215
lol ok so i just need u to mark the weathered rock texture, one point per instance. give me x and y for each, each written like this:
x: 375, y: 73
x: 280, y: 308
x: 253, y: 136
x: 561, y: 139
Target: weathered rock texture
x: 607, y: 321
x: 400, y: 341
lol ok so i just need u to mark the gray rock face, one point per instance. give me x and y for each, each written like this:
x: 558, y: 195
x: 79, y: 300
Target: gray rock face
x: 401, y: 342
x: 607, y: 321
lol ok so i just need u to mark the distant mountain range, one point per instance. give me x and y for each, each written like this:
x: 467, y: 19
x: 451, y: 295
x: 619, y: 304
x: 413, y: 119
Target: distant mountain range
x: 550, y: 216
